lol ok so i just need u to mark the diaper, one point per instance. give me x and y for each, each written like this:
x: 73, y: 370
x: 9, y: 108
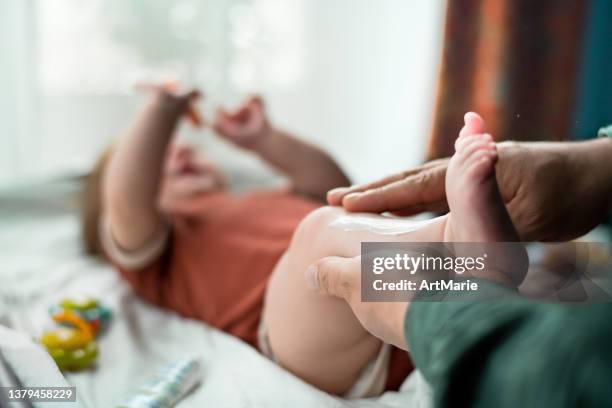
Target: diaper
x: 371, y: 381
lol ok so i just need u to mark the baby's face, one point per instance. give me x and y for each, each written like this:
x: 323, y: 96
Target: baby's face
x: 187, y: 173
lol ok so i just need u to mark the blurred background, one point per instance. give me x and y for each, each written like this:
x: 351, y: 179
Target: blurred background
x: 355, y: 77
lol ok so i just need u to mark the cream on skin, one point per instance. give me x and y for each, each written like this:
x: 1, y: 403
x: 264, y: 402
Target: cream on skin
x: 383, y: 224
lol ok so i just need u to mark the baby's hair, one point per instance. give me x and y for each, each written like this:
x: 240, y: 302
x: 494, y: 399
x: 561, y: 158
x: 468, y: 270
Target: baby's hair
x: 91, y: 205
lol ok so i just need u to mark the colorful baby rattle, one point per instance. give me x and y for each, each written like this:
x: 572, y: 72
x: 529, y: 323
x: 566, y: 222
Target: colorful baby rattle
x: 72, y: 348
x: 97, y: 315
x: 72, y: 344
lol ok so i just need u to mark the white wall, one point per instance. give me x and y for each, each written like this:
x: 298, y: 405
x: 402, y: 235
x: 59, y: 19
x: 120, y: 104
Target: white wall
x: 356, y: 76
x: 368, y: 92
x: 17, y: 91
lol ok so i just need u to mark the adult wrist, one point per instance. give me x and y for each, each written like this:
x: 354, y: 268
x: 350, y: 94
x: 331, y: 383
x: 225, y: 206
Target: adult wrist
x: 596, y: 166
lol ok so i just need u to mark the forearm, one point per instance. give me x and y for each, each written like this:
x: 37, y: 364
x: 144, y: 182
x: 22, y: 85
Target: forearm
x: 441, y: 334
x: 506, y: 351
x: 588, y: 189
x: 132, y: 180
x: 597, y: 155
x: 311, y: 170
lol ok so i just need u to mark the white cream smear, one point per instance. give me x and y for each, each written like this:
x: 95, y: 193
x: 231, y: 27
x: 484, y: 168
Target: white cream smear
x: 384, y: 224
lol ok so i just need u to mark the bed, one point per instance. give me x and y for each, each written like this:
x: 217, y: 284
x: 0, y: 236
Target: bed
x: 41, y: 262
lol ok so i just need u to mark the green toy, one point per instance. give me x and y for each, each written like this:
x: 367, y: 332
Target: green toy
x: 72, y: 344
x: 73, y: 347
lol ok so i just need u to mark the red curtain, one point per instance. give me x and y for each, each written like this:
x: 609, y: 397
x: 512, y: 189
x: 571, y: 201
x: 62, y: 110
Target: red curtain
x: 513, y: 61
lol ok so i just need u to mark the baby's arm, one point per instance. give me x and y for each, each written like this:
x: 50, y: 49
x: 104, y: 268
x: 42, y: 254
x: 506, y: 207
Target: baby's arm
x: 132, y: 181
x: 312, y: 171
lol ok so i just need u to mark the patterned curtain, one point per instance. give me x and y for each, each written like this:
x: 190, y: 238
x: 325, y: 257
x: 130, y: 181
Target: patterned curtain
x: 516, y: 62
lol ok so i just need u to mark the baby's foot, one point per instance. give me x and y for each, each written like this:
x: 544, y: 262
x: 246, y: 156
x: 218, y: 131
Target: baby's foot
x: 477, y: 212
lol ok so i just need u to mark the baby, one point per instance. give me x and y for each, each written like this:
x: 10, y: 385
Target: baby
x: 160, y: 213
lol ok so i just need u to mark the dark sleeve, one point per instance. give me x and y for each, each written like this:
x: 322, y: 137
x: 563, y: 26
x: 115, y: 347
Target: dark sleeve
x: 508, y: 351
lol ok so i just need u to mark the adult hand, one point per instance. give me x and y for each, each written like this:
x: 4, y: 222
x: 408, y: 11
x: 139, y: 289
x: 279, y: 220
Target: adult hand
x: 553, y: 191
x: 341, y: 277
x: 407, y: 193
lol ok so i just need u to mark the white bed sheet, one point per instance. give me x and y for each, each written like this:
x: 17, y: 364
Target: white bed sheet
x: 40, y: 263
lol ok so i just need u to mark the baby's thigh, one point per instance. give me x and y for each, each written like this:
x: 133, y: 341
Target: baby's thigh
x: 318, y: 337
x: 315, y: 337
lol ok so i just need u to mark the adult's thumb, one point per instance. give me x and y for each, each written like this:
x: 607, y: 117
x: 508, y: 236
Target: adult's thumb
x: 335, y: 276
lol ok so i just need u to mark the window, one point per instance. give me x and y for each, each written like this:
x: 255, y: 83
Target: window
x: 338, y: 72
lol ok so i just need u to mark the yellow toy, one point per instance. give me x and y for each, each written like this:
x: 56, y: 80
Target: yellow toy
x: 72, y: 344
x: 72, y: 348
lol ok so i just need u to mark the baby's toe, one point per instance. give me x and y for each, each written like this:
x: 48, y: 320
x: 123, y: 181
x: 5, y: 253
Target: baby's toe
x: 477, y: 148
x: 463, y: 142
x: 481, y: 166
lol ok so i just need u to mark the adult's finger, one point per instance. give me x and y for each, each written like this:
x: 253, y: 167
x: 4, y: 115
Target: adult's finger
x: 336, y: 195
x: 435, y: 207
x: 423, y: 189
x: 335, y: 276
x: 341, y: 277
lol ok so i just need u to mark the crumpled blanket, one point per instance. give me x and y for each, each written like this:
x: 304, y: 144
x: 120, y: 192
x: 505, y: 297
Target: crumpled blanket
x: 41, y: 263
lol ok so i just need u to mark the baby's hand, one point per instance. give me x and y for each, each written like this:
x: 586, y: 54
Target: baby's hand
x: 169, y: 95
x: 245, y: 127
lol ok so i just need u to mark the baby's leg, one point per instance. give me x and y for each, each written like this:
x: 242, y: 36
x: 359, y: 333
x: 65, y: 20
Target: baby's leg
x: 316, y: 337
